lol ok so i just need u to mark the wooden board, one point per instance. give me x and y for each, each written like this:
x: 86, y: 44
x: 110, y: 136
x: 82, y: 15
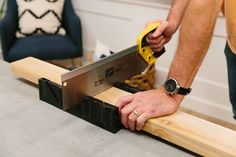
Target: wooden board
x: 33, y: 69
x: 195, y: 134
x: 185, y: 130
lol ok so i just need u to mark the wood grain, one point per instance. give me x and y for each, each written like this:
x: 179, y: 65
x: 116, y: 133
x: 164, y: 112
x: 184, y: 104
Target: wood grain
x: 195, y: 134
x: 33, y: 69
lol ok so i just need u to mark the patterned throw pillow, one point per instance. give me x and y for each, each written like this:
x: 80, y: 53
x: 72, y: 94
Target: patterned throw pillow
x: 40, y: 17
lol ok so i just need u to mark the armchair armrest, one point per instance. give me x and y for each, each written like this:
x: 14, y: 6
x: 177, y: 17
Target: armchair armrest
x: 72, y: 24
x: 8, y: 28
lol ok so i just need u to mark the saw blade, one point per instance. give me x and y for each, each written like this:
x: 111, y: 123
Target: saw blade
x: 99, y: 76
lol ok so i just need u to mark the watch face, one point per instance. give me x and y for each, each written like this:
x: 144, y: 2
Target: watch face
x: 170, y: 85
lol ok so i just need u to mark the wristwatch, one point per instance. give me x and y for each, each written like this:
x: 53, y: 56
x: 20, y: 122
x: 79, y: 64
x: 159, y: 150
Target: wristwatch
x: 172, y: 87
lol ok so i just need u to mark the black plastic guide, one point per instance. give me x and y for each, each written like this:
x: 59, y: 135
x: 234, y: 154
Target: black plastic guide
x: 126, y: 87
x: 90, y: 109
x: 50, y: 92
x: 99, y: 113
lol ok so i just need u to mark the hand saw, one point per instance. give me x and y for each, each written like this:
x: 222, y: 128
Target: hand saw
x: 99, y: 76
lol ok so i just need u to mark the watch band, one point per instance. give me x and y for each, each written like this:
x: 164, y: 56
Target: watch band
x: 172, y: 87
x: 184, y: 91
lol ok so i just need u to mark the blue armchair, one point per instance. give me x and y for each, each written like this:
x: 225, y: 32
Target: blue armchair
x: 45, y: 47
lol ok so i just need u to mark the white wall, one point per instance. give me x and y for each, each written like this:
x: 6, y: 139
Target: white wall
x: 118, y: 22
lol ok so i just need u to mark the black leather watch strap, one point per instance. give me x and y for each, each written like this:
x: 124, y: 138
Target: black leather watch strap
x: 184, y: 91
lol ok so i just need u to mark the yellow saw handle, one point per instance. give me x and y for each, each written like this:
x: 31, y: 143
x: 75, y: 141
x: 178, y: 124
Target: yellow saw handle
x: 143, y: 47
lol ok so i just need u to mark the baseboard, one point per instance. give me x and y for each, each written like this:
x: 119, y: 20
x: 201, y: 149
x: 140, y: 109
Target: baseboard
x: 209, y: 108
x: 208, y: 98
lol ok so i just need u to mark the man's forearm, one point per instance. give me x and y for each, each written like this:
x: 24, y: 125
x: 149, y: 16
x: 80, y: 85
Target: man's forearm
x: 176, y: 12
x: 195, y: 37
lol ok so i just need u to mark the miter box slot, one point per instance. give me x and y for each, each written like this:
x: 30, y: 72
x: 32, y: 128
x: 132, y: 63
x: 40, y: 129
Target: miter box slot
x: 50, y: 92
x: 98, y: 113
x: 126, y: 87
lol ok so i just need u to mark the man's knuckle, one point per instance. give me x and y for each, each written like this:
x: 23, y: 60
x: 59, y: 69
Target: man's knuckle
x: 124, y: 112
x: 152, y: 111
x: 140, y: 121
x: 121, y: 99
x: 131, y: 119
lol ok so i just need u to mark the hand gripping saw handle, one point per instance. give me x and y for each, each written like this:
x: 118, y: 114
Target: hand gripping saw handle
x: 143, y: 48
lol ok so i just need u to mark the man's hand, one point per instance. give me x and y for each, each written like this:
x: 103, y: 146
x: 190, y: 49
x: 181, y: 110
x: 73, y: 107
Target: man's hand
x: 161, y: 35
x: 137, y: 108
